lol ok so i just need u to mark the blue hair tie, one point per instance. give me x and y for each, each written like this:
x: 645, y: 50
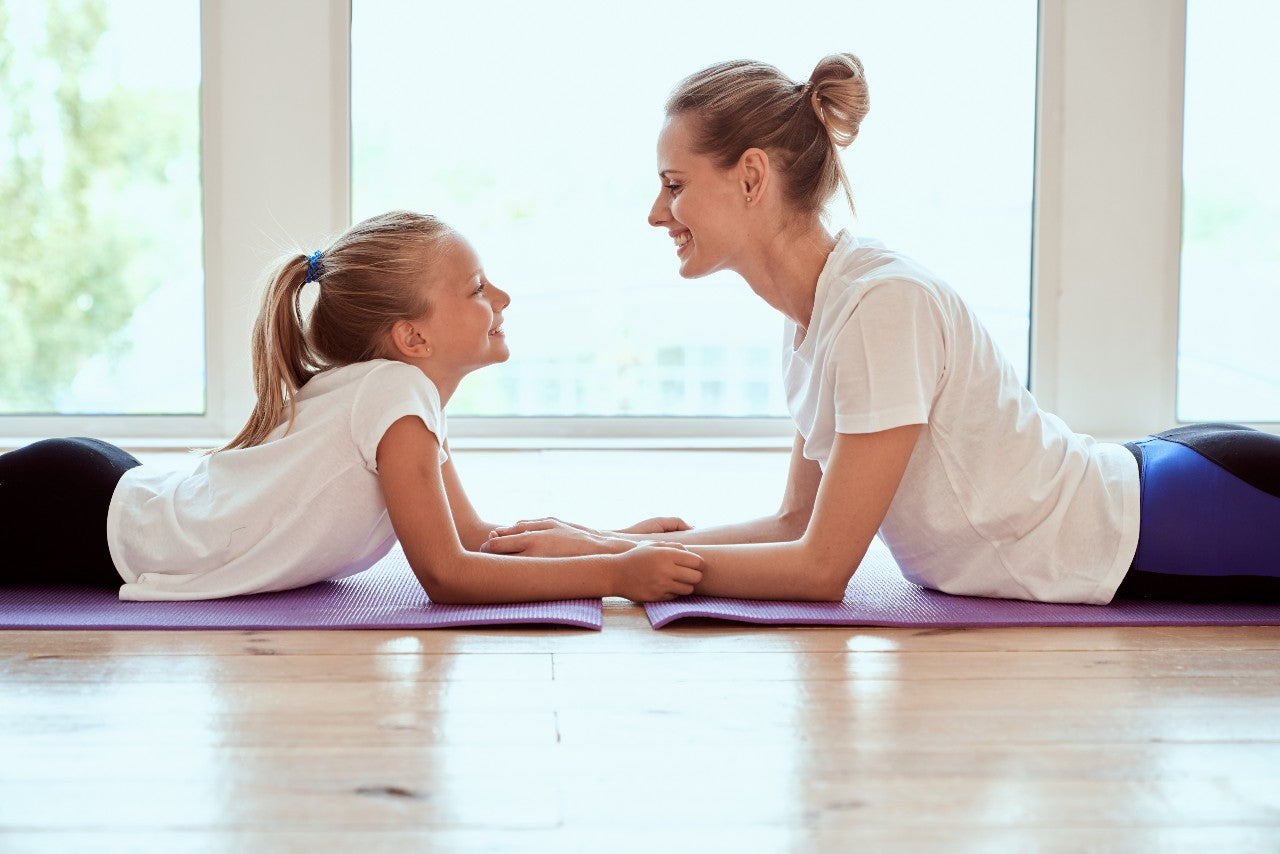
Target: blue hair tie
x: 313, y: 267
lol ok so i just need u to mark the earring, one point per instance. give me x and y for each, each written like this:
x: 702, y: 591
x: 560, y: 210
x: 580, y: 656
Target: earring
x: 748, y: 199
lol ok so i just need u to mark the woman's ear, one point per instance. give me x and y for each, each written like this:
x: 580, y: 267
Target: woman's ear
x: 753, y: 174
x: 408, y: 340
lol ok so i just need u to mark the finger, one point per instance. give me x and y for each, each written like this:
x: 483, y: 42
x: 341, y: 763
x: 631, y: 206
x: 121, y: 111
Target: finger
x: 686, y: 558
x: 682, y: 589
x: 524, y: 526
x: 688, y: 576
x: 507, y: 545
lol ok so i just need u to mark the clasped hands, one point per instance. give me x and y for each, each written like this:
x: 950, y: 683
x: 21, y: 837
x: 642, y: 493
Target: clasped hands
x: 551, y: 537
x: 649, y: 570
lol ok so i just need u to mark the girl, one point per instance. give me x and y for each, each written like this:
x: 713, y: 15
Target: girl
x: 345, y: 451
x: 909, y: 421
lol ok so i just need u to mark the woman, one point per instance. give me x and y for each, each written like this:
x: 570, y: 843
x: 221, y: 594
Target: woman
x: 909, y: 420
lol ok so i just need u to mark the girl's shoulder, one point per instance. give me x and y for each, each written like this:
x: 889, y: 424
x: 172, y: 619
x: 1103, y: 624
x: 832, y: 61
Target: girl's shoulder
x: 352, y: 378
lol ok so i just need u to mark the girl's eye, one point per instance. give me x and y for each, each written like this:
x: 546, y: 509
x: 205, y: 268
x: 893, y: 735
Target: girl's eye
x: 479, y: 289
x: 673, y: 188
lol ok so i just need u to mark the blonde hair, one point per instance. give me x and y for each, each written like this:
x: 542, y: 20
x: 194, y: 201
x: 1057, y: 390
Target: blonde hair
x: 743, y: 104
x: 369, y: 278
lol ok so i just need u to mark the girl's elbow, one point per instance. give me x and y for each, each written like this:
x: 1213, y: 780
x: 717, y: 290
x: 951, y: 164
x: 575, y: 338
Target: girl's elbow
x: 438, y: 583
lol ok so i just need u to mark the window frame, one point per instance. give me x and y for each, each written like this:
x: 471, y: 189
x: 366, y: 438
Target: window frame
x: 1104, y: 265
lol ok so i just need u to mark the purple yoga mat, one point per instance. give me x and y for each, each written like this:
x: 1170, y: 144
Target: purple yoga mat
x: 878, y: 595
x: 385, y: 596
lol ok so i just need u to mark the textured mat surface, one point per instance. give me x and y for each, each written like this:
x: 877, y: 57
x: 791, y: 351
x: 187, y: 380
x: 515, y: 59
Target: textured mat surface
x: 385, y: 596
x: 878, y: 595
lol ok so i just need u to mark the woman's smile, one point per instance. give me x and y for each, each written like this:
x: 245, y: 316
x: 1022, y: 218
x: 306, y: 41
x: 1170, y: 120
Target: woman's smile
x: 683, y: 241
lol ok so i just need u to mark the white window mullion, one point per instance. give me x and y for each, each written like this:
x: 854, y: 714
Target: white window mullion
x: 1108, y: 214
x: 277, y: 166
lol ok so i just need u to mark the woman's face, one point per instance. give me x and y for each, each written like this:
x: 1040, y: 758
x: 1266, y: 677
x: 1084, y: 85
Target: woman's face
x: 699, y: 204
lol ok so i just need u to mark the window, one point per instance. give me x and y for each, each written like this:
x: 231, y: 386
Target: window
x: 1229, y: 352
x: 541, y: 151
x: 102, y: 280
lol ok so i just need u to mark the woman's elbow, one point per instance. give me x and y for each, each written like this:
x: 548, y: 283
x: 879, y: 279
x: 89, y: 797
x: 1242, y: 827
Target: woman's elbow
x: 794, y: 523
x: 831, y: 579
x: 832, y: 588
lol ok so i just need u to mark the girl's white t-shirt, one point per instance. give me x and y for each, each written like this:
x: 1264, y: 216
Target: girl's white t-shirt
x: 304, y: 506
x: 999, y: 498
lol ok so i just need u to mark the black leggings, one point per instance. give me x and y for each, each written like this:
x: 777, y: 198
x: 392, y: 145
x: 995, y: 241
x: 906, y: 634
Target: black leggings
x: 54, y: 496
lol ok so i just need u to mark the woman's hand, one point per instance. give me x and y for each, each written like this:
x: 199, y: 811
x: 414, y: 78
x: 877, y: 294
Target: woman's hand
x: 657, y: 572
x: 552, y: 538
x: 657, y: 525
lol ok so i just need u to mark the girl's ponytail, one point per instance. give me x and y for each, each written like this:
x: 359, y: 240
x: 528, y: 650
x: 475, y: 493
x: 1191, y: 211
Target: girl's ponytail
x: 282, y: 361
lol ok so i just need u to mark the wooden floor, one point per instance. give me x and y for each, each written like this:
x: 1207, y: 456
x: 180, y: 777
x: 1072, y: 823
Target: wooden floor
x: 706, y: 737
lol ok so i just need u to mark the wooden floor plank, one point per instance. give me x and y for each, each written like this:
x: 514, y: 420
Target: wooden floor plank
x: 706, y: 736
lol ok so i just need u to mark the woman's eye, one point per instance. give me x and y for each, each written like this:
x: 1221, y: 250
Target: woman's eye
x: 480, y: 288
x: 673, y: 188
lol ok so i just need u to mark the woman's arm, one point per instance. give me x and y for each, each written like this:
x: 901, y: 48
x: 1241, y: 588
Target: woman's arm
x: 552, y: 536
x: 862, y: 475
x: 418, y: 502
x: 789, y: 523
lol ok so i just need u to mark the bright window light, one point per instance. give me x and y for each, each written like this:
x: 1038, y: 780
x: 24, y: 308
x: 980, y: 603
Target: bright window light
x: 532, y: 129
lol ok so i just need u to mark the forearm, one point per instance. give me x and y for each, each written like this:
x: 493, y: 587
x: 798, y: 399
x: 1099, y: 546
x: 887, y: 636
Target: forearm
x: 474, y: 534
x: 791, y: 570
x: 778, y: 528
x: 475, y: 579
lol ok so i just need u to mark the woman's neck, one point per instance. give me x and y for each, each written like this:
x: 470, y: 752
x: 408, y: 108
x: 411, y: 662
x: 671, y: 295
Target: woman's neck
x: 785, y: 267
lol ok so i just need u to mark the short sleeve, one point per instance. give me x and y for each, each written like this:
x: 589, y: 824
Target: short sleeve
x: 388, y: 393
x: 886, y: 363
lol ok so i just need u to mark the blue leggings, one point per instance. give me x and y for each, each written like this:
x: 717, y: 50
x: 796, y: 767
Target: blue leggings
x: 1210, y: 515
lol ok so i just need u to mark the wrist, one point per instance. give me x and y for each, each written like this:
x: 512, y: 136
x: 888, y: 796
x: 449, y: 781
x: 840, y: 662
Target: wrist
x: 613, y: 544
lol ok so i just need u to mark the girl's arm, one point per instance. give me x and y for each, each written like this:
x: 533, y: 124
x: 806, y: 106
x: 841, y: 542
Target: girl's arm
x: 413, y: 484
x: 862, y: 475
x: 553, y: 536
x: 472, y: 530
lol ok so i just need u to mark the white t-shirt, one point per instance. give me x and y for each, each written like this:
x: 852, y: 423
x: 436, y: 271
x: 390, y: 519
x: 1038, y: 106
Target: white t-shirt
x: 304, y: 506
x: 999, y: 498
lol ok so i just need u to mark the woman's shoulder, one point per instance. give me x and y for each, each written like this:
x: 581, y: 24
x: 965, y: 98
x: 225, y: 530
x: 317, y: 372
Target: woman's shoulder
x: 867, y: 261
x: 867, y: 267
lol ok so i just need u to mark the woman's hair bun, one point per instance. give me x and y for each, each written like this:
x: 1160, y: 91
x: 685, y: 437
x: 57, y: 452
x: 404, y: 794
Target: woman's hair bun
x: 837, y: 91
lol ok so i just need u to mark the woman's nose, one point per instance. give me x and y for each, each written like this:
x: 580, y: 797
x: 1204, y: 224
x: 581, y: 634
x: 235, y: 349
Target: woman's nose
x: 658, y: 213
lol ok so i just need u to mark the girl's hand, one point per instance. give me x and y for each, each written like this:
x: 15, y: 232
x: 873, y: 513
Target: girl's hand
x: 657, y: 525
x: 552, y: 538
x: 657, y: 572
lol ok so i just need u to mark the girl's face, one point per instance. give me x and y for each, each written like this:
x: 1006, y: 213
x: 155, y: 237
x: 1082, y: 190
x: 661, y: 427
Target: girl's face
x: 464, y: 325
x: 699, y: 204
